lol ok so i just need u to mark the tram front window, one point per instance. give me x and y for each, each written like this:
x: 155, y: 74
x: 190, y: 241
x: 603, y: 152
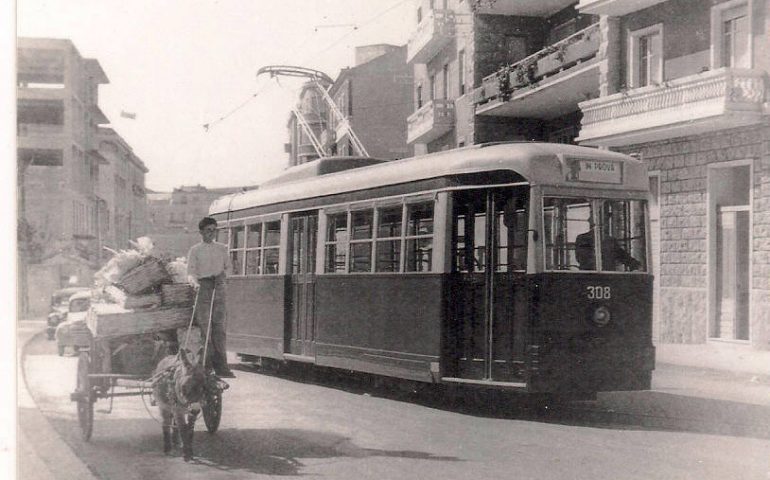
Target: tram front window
x: 581, y: 231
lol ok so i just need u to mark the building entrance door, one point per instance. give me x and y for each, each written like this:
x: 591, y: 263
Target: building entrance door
x: 732, y: 275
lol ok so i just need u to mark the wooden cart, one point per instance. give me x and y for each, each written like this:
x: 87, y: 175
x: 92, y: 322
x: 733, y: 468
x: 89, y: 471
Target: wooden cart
x: 125, y: 346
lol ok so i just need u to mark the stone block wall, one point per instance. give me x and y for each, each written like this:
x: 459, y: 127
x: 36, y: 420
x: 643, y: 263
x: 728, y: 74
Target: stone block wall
x: 683, y: 166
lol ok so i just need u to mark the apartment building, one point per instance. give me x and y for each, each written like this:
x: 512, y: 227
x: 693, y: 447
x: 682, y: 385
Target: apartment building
x: 375, y: 96
x: 123, y: 199
x: 66, y: 193
x: 691, y: 99
x: 172, y: 217
x: 500, y: 70
x: 680, y: 83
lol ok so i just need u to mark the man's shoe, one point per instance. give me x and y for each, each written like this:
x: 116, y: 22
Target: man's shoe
x: 226, y: 374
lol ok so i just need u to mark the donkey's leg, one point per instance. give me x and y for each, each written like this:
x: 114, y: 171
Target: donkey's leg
x: 186, y: 431
x: 167, y: 431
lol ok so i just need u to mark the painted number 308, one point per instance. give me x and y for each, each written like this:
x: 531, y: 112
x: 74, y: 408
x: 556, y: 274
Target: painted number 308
x: 598, y: 292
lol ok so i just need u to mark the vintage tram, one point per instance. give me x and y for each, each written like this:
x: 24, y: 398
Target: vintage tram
x: 520, y: 266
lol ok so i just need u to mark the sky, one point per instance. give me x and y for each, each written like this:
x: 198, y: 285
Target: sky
x: 180, y: 64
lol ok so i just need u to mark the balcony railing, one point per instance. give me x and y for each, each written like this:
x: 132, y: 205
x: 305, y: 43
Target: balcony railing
x: 540, y: 68
x: 433, y: 33
x: 615, y: 8
x: 434, y: 119
x: 695, y: 104
x: 33, y: 129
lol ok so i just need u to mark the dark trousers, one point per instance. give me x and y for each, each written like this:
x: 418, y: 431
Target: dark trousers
x: 216, y: 350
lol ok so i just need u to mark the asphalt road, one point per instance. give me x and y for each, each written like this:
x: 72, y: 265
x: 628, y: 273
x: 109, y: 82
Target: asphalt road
x: 296, y: 423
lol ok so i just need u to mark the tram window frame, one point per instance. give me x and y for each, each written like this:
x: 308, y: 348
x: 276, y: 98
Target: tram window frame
x: 236, y: 249
x: 267, y: 249
x: 394, y: 253
x: 338, y: 242
x: 362, y: 241
x: 627, y: 230
x: 416, y: 239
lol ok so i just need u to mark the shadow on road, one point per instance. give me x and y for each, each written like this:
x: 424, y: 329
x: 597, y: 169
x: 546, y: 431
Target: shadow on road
x: 257, y: 451
x: 643, y: 410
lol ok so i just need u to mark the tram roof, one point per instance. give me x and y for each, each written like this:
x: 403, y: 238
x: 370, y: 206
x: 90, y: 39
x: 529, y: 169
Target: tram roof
x: 538, y: 163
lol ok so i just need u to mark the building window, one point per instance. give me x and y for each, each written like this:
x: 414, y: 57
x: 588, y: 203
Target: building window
x: 461, y: 71
x: 432, y: 87
x: 445, y: 81
x: 40, y: 157
x: 731, y: 35
x: 419, y: 97
x: 645, y: 54
x: 419, y: 15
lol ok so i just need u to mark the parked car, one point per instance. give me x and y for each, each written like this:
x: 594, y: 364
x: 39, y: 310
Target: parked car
x: 73, y: 332
x: 59, y: 307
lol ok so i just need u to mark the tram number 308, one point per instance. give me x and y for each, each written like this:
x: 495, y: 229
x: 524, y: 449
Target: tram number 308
x: 598, y: 292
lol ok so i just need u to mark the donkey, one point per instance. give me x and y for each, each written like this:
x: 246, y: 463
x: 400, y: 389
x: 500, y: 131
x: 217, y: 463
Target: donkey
x: 179, y: 387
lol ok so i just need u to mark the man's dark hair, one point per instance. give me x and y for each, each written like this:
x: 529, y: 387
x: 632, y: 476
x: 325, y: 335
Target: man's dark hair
x: 205, y: 222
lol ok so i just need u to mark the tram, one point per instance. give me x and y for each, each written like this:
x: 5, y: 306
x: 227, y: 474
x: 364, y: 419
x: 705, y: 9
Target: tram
x: 520, y: 266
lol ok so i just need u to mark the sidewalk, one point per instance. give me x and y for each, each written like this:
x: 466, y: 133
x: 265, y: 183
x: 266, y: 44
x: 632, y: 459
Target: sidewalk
x: 41, y: 454
x: 722, y: 356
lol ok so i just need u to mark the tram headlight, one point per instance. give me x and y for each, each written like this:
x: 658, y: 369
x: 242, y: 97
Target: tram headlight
x: 601, y: 316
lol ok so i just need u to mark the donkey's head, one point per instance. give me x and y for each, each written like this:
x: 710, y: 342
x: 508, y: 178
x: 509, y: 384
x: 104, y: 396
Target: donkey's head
x: 190, y: 378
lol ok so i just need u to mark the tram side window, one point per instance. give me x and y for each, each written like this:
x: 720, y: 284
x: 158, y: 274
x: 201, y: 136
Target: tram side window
x: 419, y: 237
x: 253, y: 250
x: 388, y: 244
x: 623, y: 235
x: 361, y: 228
x: 237, y: 245
x: 272, y: 246
x: 336, y: 243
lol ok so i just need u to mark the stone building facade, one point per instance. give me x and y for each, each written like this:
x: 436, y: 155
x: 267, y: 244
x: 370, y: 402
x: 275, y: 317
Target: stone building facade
x: 691, y: 99
x: 682, y: 84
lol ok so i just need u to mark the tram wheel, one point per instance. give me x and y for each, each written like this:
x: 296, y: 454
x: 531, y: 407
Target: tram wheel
x: 85, y: 403
x: 212, y: 411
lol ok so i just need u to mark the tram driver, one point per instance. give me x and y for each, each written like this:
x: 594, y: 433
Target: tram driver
x: 613, y: 253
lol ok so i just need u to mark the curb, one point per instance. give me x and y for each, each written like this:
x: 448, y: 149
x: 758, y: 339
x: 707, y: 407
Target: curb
x: 734, y: 375
x: 32, y: 425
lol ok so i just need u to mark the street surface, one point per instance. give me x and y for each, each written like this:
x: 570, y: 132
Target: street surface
x: 294, y: 423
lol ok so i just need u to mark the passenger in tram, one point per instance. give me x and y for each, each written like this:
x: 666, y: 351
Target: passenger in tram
x: 208, y: 263
x: 613, y: 253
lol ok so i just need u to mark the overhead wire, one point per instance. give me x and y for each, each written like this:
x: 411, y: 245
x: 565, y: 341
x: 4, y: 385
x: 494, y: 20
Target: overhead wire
x: 207, y: 126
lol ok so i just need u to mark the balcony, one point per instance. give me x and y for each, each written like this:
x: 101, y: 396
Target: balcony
x: 615, y: 8
x: 696, y: 104
x: 434, y: 119
x: 546, y: 84
x: 433, y: 33
x: 39, y: 129
x: 522, y: 8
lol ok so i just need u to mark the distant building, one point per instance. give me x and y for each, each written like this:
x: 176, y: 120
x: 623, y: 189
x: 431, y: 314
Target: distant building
x: 173, y: 216
x: 66, y: 172
x: 375, y: 97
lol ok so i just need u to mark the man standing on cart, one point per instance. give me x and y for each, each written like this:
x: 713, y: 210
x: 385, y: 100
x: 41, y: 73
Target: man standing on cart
x: 208, y: 263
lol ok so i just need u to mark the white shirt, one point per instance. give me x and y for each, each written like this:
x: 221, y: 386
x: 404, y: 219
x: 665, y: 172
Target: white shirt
x: 207, y: 260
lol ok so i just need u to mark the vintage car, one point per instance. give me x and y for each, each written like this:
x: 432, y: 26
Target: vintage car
x: 59, y: 307
x: 73, y: 332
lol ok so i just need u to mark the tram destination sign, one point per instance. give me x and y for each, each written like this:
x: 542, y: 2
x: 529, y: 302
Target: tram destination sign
x: 591, y: 170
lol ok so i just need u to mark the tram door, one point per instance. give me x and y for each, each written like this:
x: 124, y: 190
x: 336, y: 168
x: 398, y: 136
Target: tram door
x: 301, y: 329
x: 488, y: 320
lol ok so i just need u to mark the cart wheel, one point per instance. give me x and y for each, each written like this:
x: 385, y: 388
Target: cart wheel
x: 212, y: 410
x: 85, y: 402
